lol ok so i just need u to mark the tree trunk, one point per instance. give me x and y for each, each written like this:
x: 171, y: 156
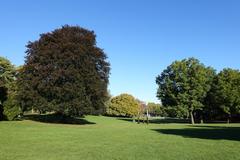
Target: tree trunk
x: 147, y: 117
x: 1, y: 112
x: 192, y: 118
x: 228, y: 119
x: 201, y: 119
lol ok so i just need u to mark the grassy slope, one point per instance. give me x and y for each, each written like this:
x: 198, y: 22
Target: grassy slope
x: 111, y: 138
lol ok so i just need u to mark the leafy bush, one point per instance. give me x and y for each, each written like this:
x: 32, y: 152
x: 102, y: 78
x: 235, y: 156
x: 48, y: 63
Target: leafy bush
x: 11, y: 108
x: 123, y: 105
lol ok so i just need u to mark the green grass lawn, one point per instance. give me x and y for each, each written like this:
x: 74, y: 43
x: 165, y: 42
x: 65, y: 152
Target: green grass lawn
x: 112, y: 138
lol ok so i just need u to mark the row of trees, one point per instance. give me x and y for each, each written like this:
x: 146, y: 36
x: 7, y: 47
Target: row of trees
x: 196, y: 91
x: 187, y: 89
x: 126, y: 105
x: 66, y: 73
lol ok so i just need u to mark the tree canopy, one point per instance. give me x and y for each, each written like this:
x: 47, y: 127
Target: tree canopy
x: 225, y: 92
x: 123, y: 105
x: 7, y: 72
x: 65, y: 72
x: 7, y: 76
x: 184, y: 85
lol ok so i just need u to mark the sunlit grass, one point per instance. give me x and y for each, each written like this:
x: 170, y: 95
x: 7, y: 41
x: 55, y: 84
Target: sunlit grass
x: 113, y: 138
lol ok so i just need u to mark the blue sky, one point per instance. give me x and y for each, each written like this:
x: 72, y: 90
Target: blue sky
x: 140, y: 37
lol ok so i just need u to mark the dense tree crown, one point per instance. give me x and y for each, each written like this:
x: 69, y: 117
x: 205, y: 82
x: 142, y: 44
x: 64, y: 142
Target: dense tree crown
x: 65, y: 72
x: 123, y: 105
x: 225, y: 92
x: 7, y: 72
x: 184, y: 85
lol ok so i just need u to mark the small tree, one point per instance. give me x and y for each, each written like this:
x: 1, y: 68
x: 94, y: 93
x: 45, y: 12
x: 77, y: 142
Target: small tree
x: 65, y: 72
x: 123, y: 105
x: 143, y: 112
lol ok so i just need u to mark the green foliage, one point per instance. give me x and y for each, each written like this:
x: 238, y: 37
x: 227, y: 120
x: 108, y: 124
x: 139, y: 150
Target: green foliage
x: 7, y: 77
x: 184, y: 85
x: 225, y: 92
x: 65, y: 72
x: 166, y: 111
x: 11, y: 107
x: 123, y: 105
x: 7, y: 72
x: 175, y: 112
x: 155, y: 109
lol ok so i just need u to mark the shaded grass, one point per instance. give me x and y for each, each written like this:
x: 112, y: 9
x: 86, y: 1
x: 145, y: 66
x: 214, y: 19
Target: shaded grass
x: 110, y: 138
x: 205, y: 132
x: 157, y: 120
x: 57, y: 119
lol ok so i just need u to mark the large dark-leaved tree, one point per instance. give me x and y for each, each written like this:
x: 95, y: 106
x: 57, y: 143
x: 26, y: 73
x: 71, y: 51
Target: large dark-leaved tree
x: 65, y: 72
x: 184, y: 86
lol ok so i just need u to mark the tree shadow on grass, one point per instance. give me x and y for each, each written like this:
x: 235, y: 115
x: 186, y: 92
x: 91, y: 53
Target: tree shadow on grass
x: 57, y: 119
x: 158, y: 120
x: 169, y: 120
x: 205, y: 132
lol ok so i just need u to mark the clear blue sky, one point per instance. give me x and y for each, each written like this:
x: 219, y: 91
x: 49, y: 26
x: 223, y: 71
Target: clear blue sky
x: 141, y: 37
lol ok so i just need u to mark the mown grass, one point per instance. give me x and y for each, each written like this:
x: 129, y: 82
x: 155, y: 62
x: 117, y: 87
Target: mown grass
x: 105, y: 138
